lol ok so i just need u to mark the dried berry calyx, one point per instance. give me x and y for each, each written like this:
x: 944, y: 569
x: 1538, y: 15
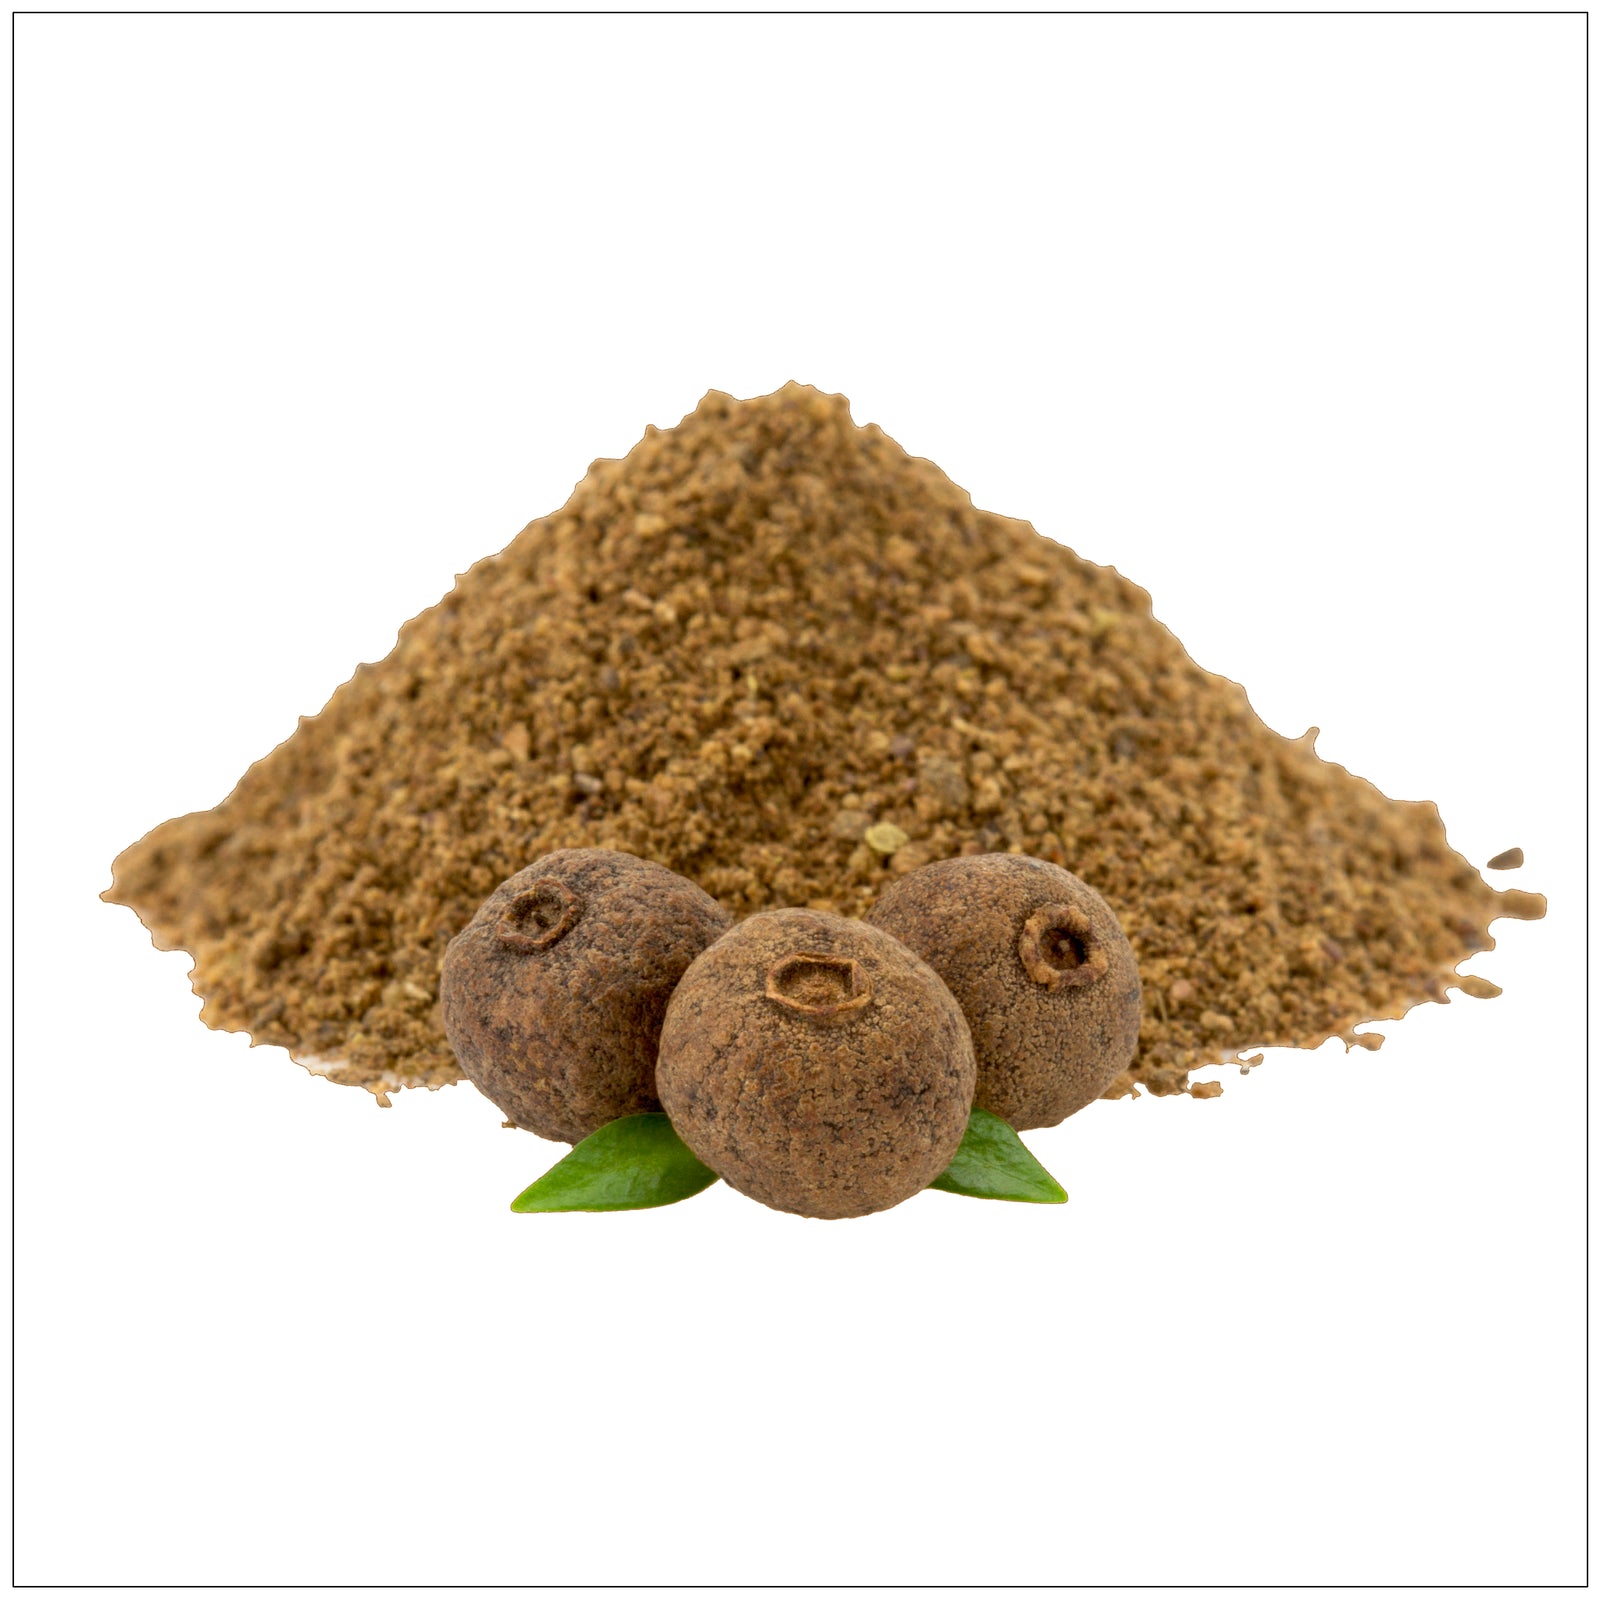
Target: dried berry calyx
x: 1058, y: 948
x: 538, y: 916
x: 819, y: 985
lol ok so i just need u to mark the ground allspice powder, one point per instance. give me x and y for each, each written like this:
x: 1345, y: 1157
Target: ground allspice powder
x: 773, y: 652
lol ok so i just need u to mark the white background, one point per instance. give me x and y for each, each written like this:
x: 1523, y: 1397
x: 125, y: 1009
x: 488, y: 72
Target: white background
x: 1282, y: 316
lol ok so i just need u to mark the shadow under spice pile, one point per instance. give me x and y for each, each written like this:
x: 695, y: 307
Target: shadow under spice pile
x: 774, y: 653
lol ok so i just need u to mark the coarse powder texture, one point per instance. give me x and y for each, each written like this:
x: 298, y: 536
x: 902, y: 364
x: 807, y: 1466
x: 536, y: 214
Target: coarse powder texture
x: 773, y: 652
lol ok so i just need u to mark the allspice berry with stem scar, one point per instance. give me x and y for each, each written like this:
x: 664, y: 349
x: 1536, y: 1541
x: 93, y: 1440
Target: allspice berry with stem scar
x: 816, y: 1065
x: 553, y: 995
x: 1041, y: 968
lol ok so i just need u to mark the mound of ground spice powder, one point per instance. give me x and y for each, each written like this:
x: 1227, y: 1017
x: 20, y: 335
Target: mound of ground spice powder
x: 773, y: 652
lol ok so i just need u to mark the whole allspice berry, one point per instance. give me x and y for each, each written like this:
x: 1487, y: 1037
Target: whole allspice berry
x: 1041, y: 968
x: 553, y: 995
x: 816, y: 1065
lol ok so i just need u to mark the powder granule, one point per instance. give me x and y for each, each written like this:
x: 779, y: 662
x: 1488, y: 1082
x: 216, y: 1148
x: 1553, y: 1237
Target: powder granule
x: 773, y: 652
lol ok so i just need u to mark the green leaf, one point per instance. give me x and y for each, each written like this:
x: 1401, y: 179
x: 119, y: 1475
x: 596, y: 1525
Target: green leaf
x: 628, y: 1165
x: 994, y: 1164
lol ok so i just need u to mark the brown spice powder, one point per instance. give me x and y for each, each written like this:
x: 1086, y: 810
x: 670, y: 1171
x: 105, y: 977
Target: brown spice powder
x: 773, y: 652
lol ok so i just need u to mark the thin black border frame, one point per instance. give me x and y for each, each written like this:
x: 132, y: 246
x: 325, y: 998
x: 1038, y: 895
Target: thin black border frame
x: 955, y: 12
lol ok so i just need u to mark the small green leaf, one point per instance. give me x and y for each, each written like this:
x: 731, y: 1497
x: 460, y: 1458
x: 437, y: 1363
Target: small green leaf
x: 994, y: 1164
x: 628, y: 1165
